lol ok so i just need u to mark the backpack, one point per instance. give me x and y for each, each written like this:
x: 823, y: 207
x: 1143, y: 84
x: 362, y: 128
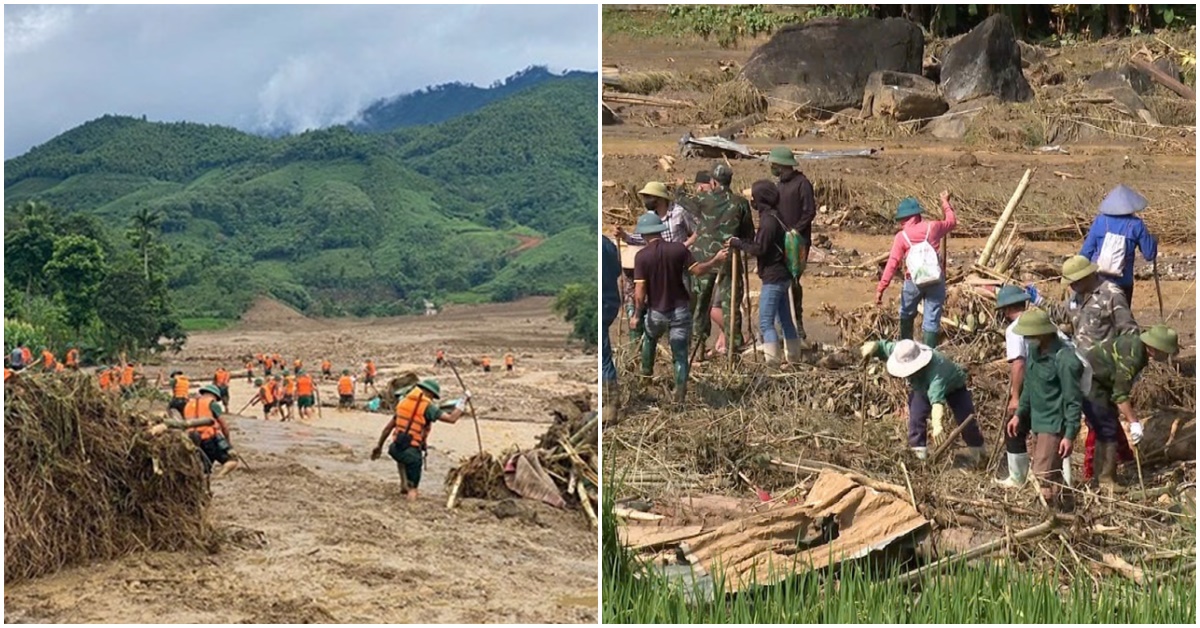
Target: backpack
x: 1111, y: 258
x: 795, y: 250
x: 922, y: 261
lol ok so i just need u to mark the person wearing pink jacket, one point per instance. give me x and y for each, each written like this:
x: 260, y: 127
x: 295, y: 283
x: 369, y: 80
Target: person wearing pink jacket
x: 929, y: 286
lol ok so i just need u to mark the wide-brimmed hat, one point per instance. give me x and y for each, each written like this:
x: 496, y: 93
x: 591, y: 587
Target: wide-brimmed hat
x: 1076, y: 268
x: 649, y: 223
x: 1034, y: 322
x: 1122, y: 201
x: 907, y: 358
x: 908, y: 207
x: 656, y: 188
x: 430, y: 386
x: 1010, y: 295
x: 782, y: 156
x: 1162, y: 338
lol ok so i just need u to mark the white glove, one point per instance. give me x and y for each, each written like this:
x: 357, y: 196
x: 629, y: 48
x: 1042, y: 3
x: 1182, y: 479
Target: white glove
x: 939, y: 411
x: 1135, y: 432
x: 466, y: 395
x: 461, y: 405
x: 867, y: 349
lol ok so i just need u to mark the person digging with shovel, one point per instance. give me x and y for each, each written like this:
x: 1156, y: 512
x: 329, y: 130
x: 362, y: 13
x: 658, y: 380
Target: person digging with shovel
x: 203, y: 423
x: 1117, y: 362
x: 935, y: 383
x: 416, y: 412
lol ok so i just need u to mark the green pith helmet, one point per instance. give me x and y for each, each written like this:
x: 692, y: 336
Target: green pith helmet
x: 1010, y: 295
x: 656, y: 188
x: 211, y: 389
x: 1076, y: 268
x: 782, y: 156
x: 1034, y: 322
x: 279, y: 378
x: 908, y: 207
x: 431, y: 387
x: 345, y: 371
x: 723, y: 174
x: 1162, y: 338
x: 258, y: 382
x: 299, y: 371
x: 285, y: 371
x: 649, y: 223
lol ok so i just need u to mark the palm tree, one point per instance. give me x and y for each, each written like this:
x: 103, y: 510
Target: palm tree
x: 146, y: 223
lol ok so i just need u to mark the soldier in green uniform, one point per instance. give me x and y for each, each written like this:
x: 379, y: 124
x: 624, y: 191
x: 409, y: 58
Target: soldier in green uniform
x: 720, y: 215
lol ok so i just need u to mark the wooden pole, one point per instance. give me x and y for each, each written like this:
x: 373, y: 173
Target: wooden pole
x: 998, y: 230
x: 474, y: 417
x: 733, y: 305
x: 1164, y: 80
x: 1157, y: 289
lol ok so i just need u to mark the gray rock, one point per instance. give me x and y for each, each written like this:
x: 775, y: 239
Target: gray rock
x: 826, y: 62
x: 985, y: 62
x: 954, y: 123
x: 901, y: 96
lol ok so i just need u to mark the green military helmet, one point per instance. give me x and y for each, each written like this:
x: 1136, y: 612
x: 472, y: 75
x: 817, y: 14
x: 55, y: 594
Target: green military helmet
x: 1010, y: 295
x: 1162, y: 338
x: 345, y: 371
x: 1076, y: 268
x: 1034, y: 322
x: 279, y: 378
x: 431, y: 386
x: 299, y: 371
x: 908, y: 207
x: 782, y: 156
x: 722, y: 173
x: 649, y: 223
x: 211, y: 389
x: 258, y: 382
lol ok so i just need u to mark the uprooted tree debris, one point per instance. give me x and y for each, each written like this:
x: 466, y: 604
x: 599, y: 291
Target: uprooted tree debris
x: 560, y: 471
x: 83, y: 481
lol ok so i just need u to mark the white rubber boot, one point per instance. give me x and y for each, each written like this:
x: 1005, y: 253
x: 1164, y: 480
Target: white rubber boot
x: 771, y: 352
x: 921, y: 452
x: 1018, y: 471
x: 1066, y: 471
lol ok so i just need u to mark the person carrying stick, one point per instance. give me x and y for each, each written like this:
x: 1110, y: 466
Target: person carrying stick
x: 767, y: 247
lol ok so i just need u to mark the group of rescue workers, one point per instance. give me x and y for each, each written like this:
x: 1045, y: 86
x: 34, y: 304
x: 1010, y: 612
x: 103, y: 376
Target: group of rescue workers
x: 1054, y: 379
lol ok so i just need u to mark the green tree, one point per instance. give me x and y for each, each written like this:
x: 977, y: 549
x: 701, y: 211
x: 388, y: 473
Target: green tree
x: 577, y: 304
x: 75, y: 270
x: 146, y: 224
x: 134, y: 311
x: 29, y: 245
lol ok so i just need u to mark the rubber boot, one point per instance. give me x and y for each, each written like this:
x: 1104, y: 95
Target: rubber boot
x: 793, y: 347
x: 648, y: 348
x: 609, y: 417
x: 906, y: 328
x: 771, y: 352
x: 976, y: 456
x: 1066, y: 471
x: 921, y: 452
x: 679, y: 359
x: 931, y: 339
x: 1106, y: 463
x: 1018, y: 471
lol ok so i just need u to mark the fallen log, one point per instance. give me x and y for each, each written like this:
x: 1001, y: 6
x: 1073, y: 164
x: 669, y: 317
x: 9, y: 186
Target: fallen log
x: 981, y: 550
x: 1161, y: 78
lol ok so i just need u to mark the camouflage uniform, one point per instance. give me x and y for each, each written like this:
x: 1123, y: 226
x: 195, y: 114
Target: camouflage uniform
x: 720, y: 215
x: 1094, y: 317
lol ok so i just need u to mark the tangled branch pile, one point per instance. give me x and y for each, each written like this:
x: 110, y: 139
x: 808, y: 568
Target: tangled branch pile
x: 82, y: 482
x: 566, y: 452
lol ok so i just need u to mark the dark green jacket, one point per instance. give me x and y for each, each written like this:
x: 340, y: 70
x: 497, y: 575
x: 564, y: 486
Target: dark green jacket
x: 1051, y: 399
x: 1116, y: 364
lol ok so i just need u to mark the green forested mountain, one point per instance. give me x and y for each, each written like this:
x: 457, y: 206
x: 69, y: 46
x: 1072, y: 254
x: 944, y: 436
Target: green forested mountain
x: 336, y: 222
x: 450, y: 100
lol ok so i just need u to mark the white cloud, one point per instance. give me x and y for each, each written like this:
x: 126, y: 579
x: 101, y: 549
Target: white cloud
x: 28, y: 27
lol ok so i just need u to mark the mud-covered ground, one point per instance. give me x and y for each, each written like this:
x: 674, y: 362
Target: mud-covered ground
x: 313, y: 531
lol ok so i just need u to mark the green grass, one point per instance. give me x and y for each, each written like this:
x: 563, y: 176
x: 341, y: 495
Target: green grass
x: 990, y: 593
x: 204, y: 324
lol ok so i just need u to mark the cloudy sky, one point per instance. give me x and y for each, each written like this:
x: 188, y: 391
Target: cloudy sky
x: 265, y: 66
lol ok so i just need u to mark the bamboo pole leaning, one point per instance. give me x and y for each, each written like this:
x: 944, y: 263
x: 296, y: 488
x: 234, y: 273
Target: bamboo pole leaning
x: 986, y: 255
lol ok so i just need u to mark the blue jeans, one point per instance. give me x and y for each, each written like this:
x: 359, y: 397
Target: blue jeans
x: 934, y: 297
x: 773, y: 302
x: 608, y: 370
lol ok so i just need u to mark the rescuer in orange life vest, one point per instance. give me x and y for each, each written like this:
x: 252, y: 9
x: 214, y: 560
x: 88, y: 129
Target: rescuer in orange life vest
x: 179, y: 391
x: 202, y: 420
x: 416, y: 412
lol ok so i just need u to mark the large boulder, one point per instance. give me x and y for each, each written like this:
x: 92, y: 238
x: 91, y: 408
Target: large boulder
x: 1122, y: 86
x: 985, y: 62
x: 953, y: 125
x: 825, y: 63
x: 901, y: 96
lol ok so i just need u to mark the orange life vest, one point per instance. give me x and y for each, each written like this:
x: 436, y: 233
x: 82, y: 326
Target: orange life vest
x: 267, y: 363
x: 289, y: 386
x: 326, y: 365
x: 180, y: 389
x: 345, y: 385
x: 304, y: 385
x: 267, y: 393
x: 508, y: 360
x: 370, y: 368
x: 201, y: 408
x: 105, y: 379
x: 487, y: 361
x: 26, y: 356
x: 127, y: 376
x: 7, y: 374
x: 222, y: 377
x: 410, y: 417
x: 73, y: 357
x: 275, y: 359
x: 47, y: 360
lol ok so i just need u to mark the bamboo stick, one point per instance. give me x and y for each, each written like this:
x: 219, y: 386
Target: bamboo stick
x: 976, y: 552
x: 986, y: 255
